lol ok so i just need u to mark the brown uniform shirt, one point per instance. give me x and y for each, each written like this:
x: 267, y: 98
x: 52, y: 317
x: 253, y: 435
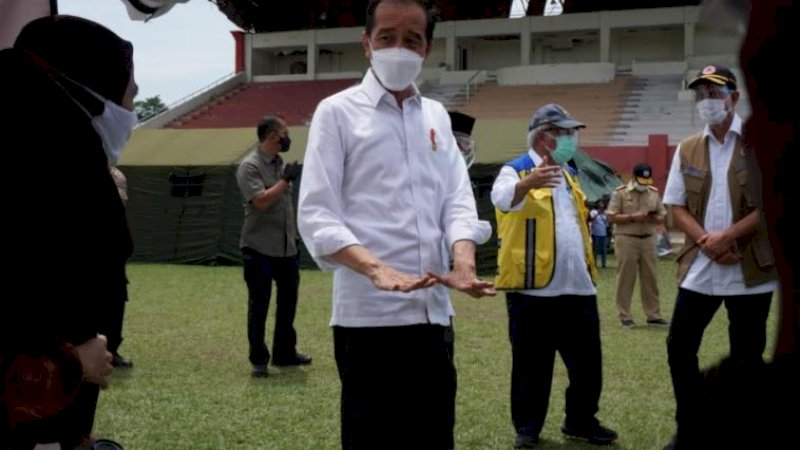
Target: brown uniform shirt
x: 627, y: 200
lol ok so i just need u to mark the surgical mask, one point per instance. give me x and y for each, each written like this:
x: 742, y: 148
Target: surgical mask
x: 285, y: 143
x: 639, y: 187
x: 114, y: 126
x: 565, y: 149
x: 712, y: 111
x: 396, y: 67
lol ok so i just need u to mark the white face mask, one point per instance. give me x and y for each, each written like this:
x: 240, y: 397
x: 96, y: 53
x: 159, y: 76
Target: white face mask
x: 639, y: 187
x: 712, y: 111
x: 396, y: 67
x: 114, y: 127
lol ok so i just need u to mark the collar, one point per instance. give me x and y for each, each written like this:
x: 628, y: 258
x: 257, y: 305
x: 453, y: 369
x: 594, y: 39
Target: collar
x: 375, y: 91
x: 736, y: 128
x: 268, y: 159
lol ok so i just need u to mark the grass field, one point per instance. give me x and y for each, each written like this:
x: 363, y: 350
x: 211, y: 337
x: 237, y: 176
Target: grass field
x: 190, y: 388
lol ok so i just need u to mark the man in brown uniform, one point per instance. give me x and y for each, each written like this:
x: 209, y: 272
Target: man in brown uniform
x: 636, y: 209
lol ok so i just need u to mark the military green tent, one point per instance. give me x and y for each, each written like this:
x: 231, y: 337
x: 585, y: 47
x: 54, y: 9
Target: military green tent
x: 184, y: 205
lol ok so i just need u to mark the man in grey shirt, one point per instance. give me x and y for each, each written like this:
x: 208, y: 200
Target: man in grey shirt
x: 269, y: 245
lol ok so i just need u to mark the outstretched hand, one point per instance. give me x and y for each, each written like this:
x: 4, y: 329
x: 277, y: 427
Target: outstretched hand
x: 387, y: 279
x: 465, y: 282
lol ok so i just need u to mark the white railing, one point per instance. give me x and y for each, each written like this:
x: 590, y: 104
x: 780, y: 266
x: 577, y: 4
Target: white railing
x: 472, y: 80
x: 188, y: 102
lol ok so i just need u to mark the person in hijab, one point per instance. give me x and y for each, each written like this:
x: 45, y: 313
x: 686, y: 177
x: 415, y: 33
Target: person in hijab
x: 68, y: 87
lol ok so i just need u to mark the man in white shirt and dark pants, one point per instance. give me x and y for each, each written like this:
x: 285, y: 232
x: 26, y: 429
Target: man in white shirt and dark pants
x: 385, y: 190
x: 726, y: 259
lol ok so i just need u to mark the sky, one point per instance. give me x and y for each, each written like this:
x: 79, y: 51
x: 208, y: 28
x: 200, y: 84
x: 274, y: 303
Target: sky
x: 174, y: 55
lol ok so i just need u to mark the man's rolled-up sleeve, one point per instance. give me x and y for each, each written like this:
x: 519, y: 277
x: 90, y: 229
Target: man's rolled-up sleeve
x: 319, y: 211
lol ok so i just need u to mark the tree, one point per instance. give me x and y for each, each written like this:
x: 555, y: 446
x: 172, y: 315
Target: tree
x: 148, y: 107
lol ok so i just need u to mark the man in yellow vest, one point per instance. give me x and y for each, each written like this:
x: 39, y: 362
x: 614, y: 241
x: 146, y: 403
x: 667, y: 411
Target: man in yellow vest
x: 636, y: 209
x: 726, y: 258
x: 546, y: 265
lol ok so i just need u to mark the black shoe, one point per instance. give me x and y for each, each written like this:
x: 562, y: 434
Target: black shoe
x: 298, y: 359
x: 106, y: 444
x: 627, y: 323
x: 121, y: 363
x: 259, y: 371
x: 522, y: 441
x: 658, y: 323
x: 593, y: 434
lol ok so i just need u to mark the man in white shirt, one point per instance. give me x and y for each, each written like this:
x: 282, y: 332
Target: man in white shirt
x: 726, y: 258
x: 384, y: 190
x: 545, y: 262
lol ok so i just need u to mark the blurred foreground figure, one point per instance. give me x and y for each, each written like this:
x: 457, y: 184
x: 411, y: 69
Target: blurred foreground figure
x: 757, y: 407
x: 70, y: 85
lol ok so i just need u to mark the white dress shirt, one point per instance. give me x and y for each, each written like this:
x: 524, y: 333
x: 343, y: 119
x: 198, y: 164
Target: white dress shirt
x: 393, y: 181
x: 705, y: 276
x: 571, y: 276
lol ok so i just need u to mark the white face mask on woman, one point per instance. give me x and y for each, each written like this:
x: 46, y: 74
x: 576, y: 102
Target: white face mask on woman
x: 712, y: 111
x: 396, y: 67
x: 114, y: 127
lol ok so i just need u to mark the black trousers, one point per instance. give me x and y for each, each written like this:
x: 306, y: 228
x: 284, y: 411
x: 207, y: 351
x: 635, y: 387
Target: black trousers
x: 114, y: 315
x: 538, y: 327
x: 398, y: 387
x: 259, y: 273
x: 747, y: 317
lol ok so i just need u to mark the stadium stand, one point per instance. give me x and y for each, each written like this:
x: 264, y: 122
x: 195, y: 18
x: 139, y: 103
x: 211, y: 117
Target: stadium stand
x: 598, y: 105
x: 245, y: 105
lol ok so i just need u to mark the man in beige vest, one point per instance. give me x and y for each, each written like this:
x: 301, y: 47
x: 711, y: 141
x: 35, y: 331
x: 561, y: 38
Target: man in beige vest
x: 726, y: 257
x: 636, y: 209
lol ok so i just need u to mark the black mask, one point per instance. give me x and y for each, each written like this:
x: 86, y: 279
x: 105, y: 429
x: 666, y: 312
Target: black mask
x: 285, y: 142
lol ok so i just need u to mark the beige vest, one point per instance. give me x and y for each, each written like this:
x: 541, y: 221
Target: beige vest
x: 758, y: 264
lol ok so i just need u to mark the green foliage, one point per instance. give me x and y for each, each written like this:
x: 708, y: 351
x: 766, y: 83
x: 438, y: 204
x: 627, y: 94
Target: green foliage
x: 185, y: 330
x: 148, y: 107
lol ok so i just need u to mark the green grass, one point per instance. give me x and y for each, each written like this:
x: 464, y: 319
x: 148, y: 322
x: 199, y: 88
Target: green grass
x: 185, y: 330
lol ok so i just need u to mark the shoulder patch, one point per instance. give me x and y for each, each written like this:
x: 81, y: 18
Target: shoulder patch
x: 620, y: 187
x: 652, y: 188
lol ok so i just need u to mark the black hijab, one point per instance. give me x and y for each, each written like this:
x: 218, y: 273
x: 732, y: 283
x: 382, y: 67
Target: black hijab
x: 84, y: 51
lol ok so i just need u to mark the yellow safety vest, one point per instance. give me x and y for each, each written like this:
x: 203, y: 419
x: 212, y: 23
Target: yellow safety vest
x: 526, y: 238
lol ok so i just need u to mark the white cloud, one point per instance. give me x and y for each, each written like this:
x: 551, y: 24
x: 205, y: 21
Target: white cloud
x: 176, y: 54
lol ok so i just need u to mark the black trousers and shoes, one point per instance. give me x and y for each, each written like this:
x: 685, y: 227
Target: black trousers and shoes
x: 260, y: 271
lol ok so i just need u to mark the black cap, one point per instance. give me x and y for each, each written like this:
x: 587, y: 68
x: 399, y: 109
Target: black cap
x: 718, y: 75
x: 643, y: 174
x: 461, y: 122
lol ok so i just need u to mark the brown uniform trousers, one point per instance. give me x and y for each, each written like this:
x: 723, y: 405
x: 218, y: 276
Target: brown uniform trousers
x: 634, y: 247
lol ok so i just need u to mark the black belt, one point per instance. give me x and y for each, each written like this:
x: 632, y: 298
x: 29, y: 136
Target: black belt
x: 640, y: 236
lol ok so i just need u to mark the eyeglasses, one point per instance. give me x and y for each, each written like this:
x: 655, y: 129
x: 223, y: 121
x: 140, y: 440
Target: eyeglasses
x: 710, y: 91
x: 555, y: 132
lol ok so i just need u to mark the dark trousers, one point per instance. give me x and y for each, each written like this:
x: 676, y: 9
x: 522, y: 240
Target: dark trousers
x: 113, y: 317
x: 398, y: 387
x: 259, y: 273
x: 747, y: 317
x: 538, y: 327
x: 600, y: 248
